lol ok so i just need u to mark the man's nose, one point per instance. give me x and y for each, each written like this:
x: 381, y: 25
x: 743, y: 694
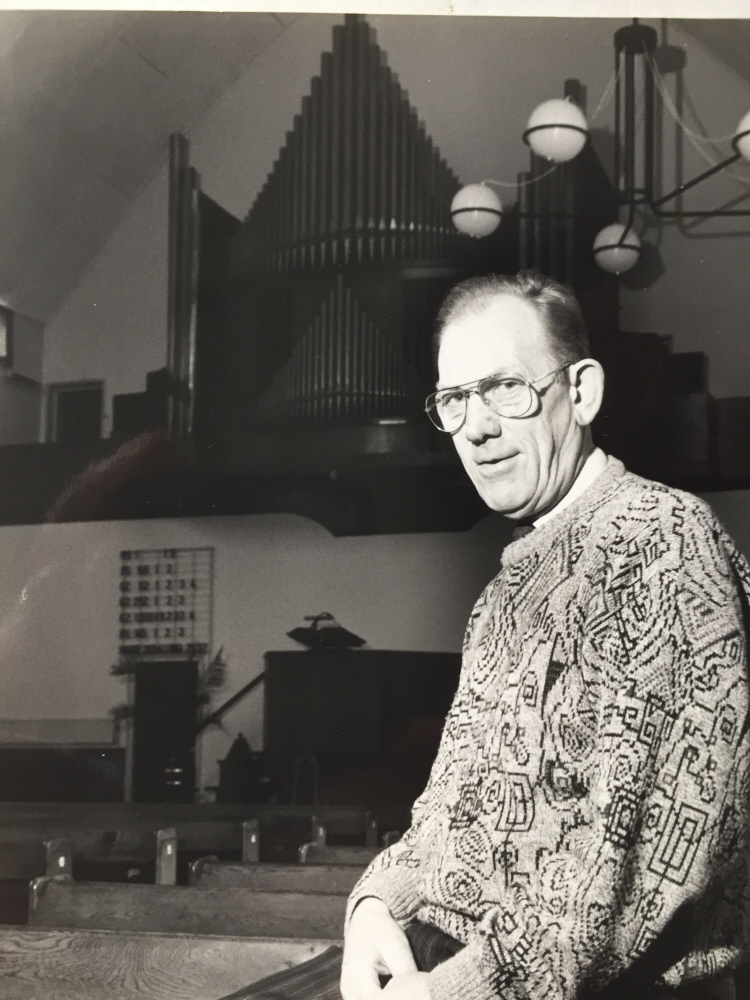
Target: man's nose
x: 480, y: 422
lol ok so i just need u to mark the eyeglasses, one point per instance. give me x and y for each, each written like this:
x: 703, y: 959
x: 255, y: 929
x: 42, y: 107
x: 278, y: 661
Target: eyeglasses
x: 505, y: 395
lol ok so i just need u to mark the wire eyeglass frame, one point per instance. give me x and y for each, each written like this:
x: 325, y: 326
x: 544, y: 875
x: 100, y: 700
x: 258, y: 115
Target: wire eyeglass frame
x: 481, y: 387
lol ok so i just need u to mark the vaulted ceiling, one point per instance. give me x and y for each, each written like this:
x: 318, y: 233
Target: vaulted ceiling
x: 88, y: 100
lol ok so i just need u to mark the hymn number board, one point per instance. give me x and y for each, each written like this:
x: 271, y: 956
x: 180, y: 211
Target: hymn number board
x: 166, y: 602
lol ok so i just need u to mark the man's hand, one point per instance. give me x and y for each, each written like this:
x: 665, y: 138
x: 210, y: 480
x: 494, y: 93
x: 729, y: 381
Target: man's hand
x: 409, y: 986
x: 374, y: 945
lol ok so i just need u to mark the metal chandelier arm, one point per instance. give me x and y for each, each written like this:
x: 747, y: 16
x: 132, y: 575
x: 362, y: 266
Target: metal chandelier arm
x: 557, y: 130
x: 634, y: 178
x: 656, y: 205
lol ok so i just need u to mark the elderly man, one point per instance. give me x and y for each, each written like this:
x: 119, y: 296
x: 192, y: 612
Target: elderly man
x: 584, y: 831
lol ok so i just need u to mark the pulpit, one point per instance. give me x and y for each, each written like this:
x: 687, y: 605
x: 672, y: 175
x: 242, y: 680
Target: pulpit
x: 369, y: 719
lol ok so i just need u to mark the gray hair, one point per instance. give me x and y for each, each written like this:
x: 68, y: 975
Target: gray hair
x: 556, y: 304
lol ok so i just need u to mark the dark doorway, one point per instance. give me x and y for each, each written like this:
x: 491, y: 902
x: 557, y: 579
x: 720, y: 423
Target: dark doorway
x: 164, y: 723
x: 75, y: 412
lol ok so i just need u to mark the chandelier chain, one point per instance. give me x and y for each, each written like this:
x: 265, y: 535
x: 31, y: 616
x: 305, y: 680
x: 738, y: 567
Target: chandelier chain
x: 661, y: 83
x: 607, y: 95
x: 693, y: 137
x: 521, y: 184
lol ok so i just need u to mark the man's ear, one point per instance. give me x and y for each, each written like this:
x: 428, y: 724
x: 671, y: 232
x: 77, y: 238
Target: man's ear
x: 586, y: 389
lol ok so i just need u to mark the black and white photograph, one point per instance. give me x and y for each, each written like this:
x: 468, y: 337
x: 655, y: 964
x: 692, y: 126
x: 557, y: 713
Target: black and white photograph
x: 375, y: 503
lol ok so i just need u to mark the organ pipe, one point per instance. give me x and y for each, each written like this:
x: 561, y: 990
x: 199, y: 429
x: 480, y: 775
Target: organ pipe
x: 342, y: 369
x: 357, y: 179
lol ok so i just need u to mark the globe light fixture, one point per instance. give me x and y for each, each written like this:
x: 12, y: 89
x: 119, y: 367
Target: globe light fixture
x: 741, y: 141
x: 556, y: 130
x: 476, y: 210
x: 616, y: 249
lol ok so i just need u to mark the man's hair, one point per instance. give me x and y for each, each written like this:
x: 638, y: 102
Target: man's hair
x: 556, y: 304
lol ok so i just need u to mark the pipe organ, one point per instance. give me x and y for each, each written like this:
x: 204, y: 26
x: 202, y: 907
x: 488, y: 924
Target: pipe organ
x: 314, y: 351
x: 358, y: 179
x: 344, y: 257
x: 546, y: 201
x: 341, y: 264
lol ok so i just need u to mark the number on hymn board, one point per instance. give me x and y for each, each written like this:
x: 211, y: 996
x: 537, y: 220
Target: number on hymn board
x: 165, y: 601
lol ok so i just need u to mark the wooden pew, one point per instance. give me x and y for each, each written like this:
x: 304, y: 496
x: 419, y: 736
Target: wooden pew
x: 22, y: 860
x: 129, y: 842
x: 105, y: 851
x: 60, y: 852
x: 120, y: 832
x: 319, y: 852
x: 334, y: 880
x: 152, y: 816
x: 61, y: 902
x: 112, y: 856
x: 362, y: 824
x: 40, y: 963
x: 23, y: 856
x: 337, y: 854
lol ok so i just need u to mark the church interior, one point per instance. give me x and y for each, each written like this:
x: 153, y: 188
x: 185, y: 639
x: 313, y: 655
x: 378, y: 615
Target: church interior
x: 236, y: 560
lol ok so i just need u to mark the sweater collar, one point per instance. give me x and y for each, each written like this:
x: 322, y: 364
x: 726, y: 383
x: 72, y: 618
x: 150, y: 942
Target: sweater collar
x: 594, y: 465
x: 527, y: 539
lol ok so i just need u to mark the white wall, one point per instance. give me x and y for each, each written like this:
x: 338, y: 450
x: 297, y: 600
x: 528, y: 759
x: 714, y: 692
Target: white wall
x: 21, y: 397
x: 113, y: 326
x: 703, y: 298
x: 235, y: 143
x: 59, y: 602
x: 474, y: 81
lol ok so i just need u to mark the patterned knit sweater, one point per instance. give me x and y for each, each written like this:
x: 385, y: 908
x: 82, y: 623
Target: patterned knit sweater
x: 592, y: 777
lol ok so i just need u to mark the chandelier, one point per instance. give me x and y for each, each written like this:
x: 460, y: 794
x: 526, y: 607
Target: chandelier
x: 557, y: 130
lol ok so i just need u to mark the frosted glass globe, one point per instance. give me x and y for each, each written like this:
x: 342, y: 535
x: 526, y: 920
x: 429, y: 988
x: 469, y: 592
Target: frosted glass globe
x: 476, y: 210
x: 556, y: 130
x: 741, y: 141
x: 614, y: 256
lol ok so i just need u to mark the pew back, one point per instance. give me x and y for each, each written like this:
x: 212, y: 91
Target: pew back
x: 61, y: 902
x: 359, y: 824
x: 129, y: 815
x: 334, y: 880
x: 324, y: 854
x: 22, y: 849
x: 21, y: 859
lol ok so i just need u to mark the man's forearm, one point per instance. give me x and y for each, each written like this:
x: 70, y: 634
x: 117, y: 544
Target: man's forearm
x: 392, y: 878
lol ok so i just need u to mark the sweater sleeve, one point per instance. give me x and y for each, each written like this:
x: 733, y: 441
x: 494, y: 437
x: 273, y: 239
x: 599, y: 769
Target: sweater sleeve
x: 664, y: 661
x: 393, y: 877
x: 394, y: 874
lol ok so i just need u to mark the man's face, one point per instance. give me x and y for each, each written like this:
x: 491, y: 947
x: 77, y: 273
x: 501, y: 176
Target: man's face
x: 521, y: 467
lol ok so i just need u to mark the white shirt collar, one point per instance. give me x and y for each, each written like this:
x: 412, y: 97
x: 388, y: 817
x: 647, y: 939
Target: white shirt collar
x: 594, y: 465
